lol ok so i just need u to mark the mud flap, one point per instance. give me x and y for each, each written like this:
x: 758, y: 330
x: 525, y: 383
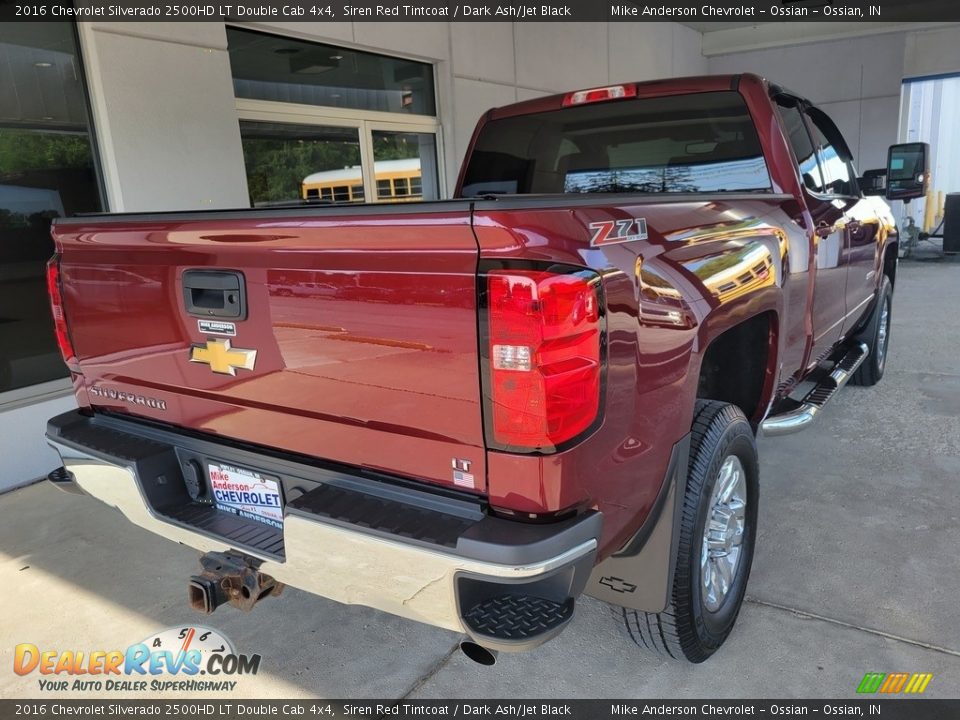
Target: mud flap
x: 640, y: 575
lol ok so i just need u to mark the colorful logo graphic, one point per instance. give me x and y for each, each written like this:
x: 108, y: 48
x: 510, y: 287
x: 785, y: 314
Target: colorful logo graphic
x: 893, y: 683
x: 154, y: 663
x: 609, y: 232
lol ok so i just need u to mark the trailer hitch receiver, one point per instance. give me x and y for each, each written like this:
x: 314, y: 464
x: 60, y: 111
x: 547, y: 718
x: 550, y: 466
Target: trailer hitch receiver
x: 230, y: 578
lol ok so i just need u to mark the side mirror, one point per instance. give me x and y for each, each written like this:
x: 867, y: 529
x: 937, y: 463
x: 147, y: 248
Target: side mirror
x: 908, y: 172
x: 873, y: 182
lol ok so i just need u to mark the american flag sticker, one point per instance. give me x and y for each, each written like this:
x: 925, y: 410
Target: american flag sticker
x: 463, y: 479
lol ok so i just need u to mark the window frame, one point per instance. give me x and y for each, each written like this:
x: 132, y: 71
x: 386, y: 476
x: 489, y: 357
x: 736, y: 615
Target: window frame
x: 798, y: 106
x: 785, y: 99
x: 840, y: 145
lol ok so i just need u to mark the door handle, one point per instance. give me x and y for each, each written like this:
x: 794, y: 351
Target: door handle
x: 215, y: 293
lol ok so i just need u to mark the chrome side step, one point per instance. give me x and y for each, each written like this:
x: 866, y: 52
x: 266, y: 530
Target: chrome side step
x: 806, y: 412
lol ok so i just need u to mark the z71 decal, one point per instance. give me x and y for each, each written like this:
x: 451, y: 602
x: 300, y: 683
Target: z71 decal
x: 609, y: 232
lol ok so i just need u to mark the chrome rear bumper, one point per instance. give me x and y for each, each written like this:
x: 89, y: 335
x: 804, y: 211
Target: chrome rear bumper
x: 352, y: 565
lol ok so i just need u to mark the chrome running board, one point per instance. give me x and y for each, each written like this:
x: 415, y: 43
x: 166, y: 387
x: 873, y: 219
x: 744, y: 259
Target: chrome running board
x: 801, y: 417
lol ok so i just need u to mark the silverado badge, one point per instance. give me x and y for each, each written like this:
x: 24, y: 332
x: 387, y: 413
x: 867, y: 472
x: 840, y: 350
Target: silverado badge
x: 222, y: 358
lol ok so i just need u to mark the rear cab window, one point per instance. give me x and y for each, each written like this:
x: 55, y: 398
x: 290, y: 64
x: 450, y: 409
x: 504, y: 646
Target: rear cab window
x: 703, y: 142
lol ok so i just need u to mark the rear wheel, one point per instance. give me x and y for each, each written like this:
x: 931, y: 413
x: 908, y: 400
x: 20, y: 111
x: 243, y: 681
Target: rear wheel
x: 876, y: 334
x: 717, y: 537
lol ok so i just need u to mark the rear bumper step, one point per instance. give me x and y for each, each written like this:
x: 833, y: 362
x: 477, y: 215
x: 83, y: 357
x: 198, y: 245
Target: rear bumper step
x: 422, y: 555
x: 510, y: 618
x: 802, y: 416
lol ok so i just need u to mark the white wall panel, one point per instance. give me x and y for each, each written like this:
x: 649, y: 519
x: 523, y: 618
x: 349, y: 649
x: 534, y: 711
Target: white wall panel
x: 642, y: 51
x: 484, y: 51
x: 165, y: 118
x: 561, y: 56
x: 880, y: 122
x: 420, y: 39
x: 932, y: 52
x: 24, y: 453
x: 856, y: 85
x: 686, y: 54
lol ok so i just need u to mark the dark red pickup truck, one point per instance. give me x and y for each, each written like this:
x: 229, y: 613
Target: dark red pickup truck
x: 472, y: 411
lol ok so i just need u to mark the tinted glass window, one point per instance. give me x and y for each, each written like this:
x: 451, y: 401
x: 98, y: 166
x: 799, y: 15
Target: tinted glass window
x: 839, y: 175
x: 46, y: 171
x: 410, y: 161
x: 688, y: 143
x: 799, y: 139
x: 286, y: 162
x: 270, y: 67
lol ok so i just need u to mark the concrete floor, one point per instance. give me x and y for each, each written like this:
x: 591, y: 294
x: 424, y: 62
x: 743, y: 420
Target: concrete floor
x: 857, y: 569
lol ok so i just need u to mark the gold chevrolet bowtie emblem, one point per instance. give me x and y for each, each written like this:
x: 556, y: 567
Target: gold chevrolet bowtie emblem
x: 222, y: 358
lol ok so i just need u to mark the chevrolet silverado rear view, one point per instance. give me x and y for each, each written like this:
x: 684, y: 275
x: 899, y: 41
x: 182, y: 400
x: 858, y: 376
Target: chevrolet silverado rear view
x: 471, y: 412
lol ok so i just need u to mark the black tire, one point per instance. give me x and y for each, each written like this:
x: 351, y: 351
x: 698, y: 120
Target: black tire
x: 687, y: 629
x: 876, y: 334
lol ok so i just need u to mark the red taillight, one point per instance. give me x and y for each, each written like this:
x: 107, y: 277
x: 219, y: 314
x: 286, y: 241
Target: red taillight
x: 544, y: 349
x: 56, y: 307
x: 612, y: 92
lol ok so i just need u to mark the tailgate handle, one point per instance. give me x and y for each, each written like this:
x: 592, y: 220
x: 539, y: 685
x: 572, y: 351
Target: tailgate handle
x: 215, y: 293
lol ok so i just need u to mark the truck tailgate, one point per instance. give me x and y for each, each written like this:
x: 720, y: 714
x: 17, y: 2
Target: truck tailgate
x: 363, y: 323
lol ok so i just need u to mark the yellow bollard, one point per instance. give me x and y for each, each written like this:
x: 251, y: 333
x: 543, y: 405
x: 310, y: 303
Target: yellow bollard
x: 929, y: 208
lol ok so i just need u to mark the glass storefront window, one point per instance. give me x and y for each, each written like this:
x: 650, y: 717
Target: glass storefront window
x: 47, y: 170
x: 270, y: 67
x: 287, y: 162
x: 408, y: 161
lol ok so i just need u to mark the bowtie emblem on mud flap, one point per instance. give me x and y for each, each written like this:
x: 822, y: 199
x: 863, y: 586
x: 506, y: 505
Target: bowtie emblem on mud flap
x: 618, y: 584
x: 222, y: 358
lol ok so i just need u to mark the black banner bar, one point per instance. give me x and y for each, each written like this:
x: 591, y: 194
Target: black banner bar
x: 874, y: 707
x: 481, y: 10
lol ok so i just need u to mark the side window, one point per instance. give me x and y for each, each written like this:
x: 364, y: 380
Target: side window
x: 838, y: 172
x: 802, y: 145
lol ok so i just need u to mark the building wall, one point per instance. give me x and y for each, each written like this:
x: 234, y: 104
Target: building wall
x: 164, y: 114
x: 855, y: 84
x: 164, y: 107
x: 932, y: 52
x: 856, y: 80
x: 24, y: 453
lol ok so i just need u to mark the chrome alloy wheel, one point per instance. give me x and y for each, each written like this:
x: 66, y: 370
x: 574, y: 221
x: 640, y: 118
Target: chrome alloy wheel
x: 882, y: 332
x: 723, y: 533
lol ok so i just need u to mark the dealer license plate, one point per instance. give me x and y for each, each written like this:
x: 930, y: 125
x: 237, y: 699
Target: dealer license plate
x: 246, y: 493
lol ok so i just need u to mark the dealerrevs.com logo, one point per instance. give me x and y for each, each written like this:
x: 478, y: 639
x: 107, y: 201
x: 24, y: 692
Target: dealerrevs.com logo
x: 180, y: 659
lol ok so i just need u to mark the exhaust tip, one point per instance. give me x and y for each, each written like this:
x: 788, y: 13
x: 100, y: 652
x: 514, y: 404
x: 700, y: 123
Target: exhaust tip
x: 478, y: 653
x: 64, y: 480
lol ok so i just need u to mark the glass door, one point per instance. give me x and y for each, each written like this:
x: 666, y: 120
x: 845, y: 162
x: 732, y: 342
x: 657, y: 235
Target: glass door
x: 405, y: 165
